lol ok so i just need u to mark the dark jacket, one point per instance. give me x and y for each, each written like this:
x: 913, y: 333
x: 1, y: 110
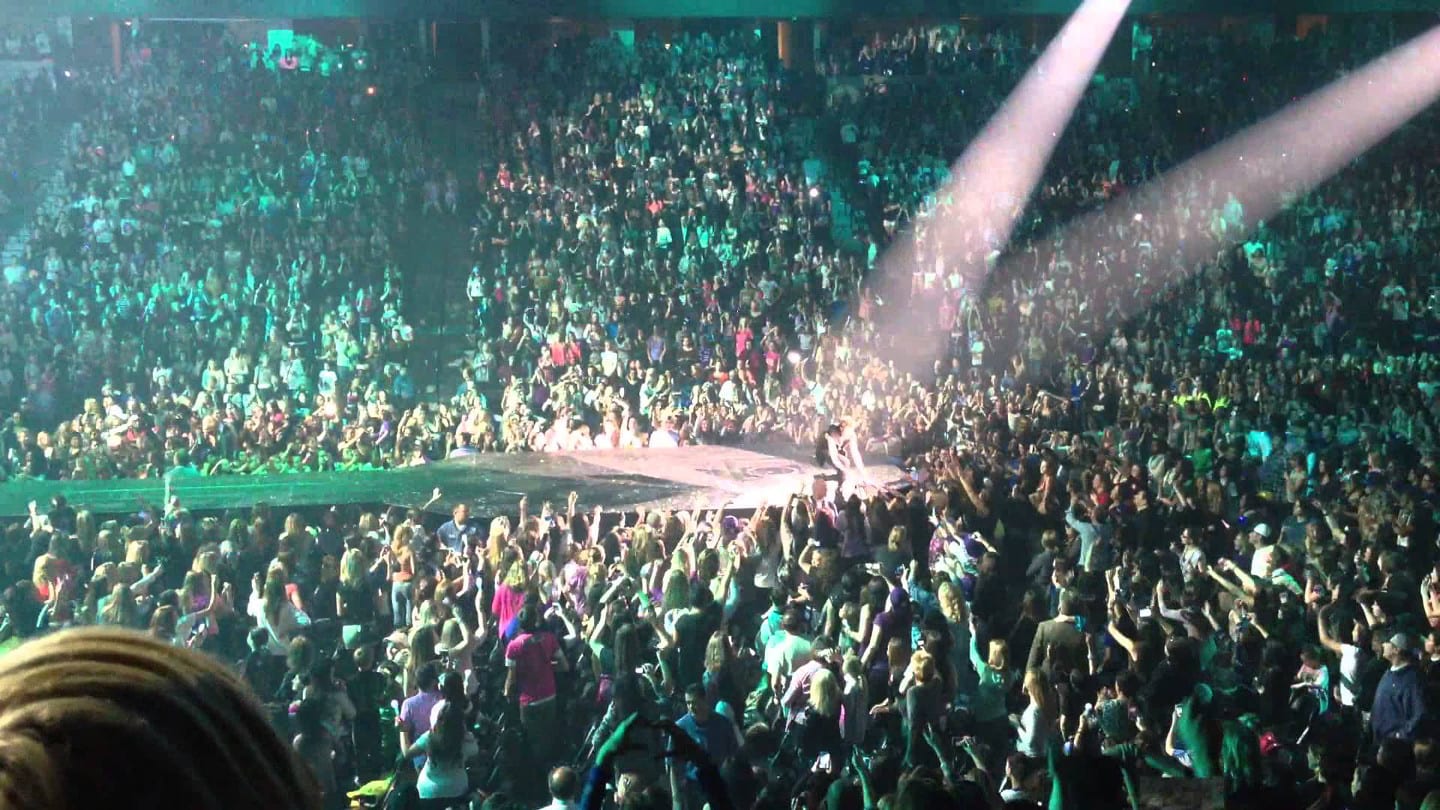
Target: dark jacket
x: 1399, y: 704
x: 1065, y: 637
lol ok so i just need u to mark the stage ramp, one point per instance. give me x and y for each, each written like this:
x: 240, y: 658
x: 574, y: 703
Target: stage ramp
x: 618, y: 480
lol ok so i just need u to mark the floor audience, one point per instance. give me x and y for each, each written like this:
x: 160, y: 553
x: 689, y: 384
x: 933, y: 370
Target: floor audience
x: 1183, y: 557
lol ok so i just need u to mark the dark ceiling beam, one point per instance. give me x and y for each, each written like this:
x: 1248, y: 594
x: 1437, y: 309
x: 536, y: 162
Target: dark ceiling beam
x: 668, y: 9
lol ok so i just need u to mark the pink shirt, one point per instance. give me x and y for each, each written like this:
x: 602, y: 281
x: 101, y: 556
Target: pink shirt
x: 742, y: 342
x: 506, y: 604
x: 531, y: 657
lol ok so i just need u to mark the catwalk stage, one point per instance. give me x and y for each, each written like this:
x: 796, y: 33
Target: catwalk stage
x: 620, y: 480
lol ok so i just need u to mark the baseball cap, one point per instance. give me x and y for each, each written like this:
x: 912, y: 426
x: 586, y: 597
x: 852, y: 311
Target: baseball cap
x: 1402, y: 639
x: 1263, y: 529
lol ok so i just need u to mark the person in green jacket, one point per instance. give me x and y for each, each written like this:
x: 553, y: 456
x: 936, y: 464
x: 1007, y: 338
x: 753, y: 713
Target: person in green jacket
x: 987, y: 705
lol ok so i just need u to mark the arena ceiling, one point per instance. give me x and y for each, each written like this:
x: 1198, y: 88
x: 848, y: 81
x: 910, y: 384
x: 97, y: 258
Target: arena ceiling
x: 670, y: 9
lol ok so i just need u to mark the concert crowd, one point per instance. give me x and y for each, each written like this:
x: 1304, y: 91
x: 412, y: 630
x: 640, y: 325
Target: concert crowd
x: 1168, y: 534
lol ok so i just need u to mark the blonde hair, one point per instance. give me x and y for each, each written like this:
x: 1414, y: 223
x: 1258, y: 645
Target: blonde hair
x: 206, y: 560
x: 294, y: 523
x: 427, y: 614
x: 675, y: 592
x: 897, y: 539
x: 400, y: 539
x: 195, y: 583
x: 853, y: 667
x: 999, y: 655
x: 85, y: 529
x: 922, y: 666
x: 952, y: 602
x: 369, y: 522
x: 717, y: 652
x: 40, y: 574
x: 121, y: 609
x: 101, y: 717
x: 825, y: 694
x: 352, y: 568
x: 497, y: 542
x: 500, y: 527
x: 643, y: 544
x: 897, y: 653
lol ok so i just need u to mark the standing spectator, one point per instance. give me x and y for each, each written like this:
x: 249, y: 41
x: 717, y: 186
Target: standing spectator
x: 712, y: 730
x: 455, y: 532
x: 418, y: 710
x: 531, y: 660
x: 445, y: 747
x: 1399, y: 707
x: 1060, y: 640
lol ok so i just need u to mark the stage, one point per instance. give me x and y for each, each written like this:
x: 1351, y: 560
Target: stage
x: 619, y: 480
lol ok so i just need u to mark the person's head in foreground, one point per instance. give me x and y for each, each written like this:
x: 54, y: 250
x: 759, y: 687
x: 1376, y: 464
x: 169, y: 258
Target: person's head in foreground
x: 102, y: 717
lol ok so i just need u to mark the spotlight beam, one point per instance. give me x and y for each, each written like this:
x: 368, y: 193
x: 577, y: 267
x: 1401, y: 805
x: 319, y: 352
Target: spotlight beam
x: 995, y: 176
x: 1290, y: 152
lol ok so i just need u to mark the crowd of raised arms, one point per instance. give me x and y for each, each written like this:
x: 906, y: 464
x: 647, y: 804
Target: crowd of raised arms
x: 1182, y: 556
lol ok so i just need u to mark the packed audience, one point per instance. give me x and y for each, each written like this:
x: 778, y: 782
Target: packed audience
x: 643, y: 264
x: 1185, y: 557
x: 222, y: 293
x: 28, y: 101
x: 27, y: 40
x: 944, y: 50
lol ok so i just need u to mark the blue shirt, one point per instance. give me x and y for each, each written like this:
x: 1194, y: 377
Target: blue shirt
x: 453, y: 537
x: 716, y: 736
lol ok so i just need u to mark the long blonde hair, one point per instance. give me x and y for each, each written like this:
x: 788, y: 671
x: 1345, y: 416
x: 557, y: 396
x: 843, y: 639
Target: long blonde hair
x: 952, y: 603
x: 675, y: 592
x: 854, y: 670
x: 66, y: 699
x: 121, y: 609
x: 352, y: 568
x: 497, y: 542
x: 40, y: 575
x: 825, y: 694
x: 400, y: 539
x: 85, y: 529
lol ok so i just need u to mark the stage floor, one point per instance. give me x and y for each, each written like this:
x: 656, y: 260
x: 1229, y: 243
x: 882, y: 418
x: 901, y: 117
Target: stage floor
x: 620, y: 480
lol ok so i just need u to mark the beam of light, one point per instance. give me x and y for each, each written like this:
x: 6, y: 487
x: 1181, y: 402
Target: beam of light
x: 1276, y: 160
x: 993, y: 179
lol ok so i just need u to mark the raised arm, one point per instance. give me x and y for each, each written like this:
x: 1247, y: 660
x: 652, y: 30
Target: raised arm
x: 1234, y: 590
x: 1126, y: 642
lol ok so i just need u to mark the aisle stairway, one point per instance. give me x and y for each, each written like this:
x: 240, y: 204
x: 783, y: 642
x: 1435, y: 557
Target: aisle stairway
x: 48, y: 196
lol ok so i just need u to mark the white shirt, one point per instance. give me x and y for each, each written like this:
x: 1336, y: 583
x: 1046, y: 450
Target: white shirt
x: 1190, y: 561
x: 609, y: 362
x: 1260, y: 562
x: 1349, y: 674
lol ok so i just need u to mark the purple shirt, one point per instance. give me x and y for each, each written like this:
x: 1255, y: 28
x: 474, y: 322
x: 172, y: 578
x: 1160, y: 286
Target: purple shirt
x: 415, y: 715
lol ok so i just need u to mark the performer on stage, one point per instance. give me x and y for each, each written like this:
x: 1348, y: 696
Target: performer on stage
x: 841, y: 450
